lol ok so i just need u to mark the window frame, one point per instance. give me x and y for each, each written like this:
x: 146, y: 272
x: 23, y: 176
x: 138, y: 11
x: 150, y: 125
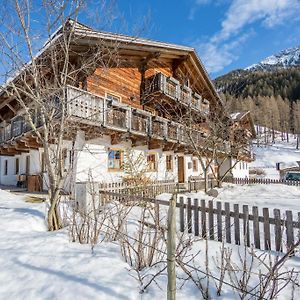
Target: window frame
x: 195, y: 165
x: 121, y: 159
x: 149, y: 169
x: 169, y: 163
x: 113, y: 96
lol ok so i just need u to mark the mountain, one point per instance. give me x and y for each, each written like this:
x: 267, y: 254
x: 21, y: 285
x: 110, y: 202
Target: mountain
x: 284, y: 59
x: 269, y: 89
x: 276, y: 75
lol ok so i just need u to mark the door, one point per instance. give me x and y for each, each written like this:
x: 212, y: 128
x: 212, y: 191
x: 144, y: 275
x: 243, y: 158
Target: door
x: 180, y: 169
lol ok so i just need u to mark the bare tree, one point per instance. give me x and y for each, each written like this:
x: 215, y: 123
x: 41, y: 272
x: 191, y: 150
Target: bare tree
x: 39, y: 83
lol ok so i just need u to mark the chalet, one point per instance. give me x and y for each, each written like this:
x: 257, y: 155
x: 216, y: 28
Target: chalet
x: 136, y: 103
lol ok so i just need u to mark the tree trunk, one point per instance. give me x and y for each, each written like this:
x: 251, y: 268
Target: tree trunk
x: 54, y: 219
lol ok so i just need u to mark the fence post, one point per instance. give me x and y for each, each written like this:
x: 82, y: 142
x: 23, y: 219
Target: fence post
x: 237, y: 233
x: 219, y: 220
x: 181, y: 214
x: 246, y: 225
x: 189, y: 215
x: 227, y: 223
x: 211, y: 219
x: 256, y: 227
x: 171, y: 250
x: 196, y: 217
x: 267, y: 236
x: 203, y: 218
x: 278, y: 231
x: 289, y: 231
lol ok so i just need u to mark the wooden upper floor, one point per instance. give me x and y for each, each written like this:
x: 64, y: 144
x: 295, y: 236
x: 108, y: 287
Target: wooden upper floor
x: 136, y: 86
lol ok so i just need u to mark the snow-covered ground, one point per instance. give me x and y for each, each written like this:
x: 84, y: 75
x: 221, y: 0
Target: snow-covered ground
x: 279, y: 196
x: 280, y: 152
x: 36, y: 264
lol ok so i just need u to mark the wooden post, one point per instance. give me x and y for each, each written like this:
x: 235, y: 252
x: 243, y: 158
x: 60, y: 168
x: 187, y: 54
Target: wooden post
x: 203, y: 218
x: 211, y: 219
x: 278, y: 233
x: 289, y: 231
x: 267, y: 235
x: 256, y: 232
x: 196, y: 217
x: 236, y: 224
x: 246, y: 225
x: 189, y: 215
x: 227, y: 223
x: 219, y: 220
x: 171, y: 249
x: 181, y: 214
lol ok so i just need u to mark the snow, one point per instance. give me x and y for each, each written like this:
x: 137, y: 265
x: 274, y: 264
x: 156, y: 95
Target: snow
x: 266, y: 156
x: 279, y: 196
x: 36, y: 264
x: 285, y: 58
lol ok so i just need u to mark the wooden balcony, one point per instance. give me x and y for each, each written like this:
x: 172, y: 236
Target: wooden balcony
x: 111, y: 117
x: 169, y: 87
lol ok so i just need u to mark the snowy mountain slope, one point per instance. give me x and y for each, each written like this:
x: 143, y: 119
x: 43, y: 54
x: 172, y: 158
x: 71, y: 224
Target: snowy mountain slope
x: 286, y: 58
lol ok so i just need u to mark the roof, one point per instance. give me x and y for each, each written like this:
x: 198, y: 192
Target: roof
x: 240, y: 116
x: 87, y: 32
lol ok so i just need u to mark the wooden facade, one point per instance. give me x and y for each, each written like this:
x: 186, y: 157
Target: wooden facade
x: 140, y: 94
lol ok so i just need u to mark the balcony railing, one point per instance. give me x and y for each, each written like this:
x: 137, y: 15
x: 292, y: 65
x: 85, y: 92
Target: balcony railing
x: 88, y: 108
x: 170, y: 87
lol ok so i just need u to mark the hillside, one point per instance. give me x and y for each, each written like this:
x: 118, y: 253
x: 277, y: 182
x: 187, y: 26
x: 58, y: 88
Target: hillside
x: 283, y: 82
x: 270, y: 89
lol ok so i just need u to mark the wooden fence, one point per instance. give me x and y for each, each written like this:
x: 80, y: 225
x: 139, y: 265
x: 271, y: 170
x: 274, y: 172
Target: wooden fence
x: 151, y: 189
x: 261, y: 181
x: 238, y: 224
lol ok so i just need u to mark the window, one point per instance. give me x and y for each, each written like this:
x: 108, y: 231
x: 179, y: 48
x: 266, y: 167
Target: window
x: 115, y: 160
x: 113, y: 97
x: 17, y: 166
x: 195, y: 165
x: 152, y: 164
x: 169, y: 163
x: 5, y: 167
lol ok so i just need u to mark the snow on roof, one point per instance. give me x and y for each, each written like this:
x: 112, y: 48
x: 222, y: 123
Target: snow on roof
x: 237, y: 116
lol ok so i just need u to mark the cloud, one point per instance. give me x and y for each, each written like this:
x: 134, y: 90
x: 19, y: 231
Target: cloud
x: 221, y: 49
x: 218, y: 56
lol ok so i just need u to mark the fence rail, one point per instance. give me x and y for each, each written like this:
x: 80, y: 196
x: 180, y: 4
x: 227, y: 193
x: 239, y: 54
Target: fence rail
x: 143, y: 190
x: 261, y: 181
x: 238, y: 224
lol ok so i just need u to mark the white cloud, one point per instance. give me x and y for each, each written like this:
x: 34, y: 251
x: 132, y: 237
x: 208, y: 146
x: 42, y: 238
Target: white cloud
x: 221, y: 49
x: 217, y: 56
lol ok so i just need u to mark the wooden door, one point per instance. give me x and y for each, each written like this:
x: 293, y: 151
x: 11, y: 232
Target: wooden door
x: 180, y: 169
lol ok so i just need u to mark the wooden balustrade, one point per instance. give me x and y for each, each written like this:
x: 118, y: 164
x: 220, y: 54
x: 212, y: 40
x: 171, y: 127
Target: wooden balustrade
x: 172, y: 88
x: 139, y: 123
x: 93, y: 109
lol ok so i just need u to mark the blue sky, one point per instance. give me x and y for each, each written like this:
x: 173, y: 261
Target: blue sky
x: 227, y: 34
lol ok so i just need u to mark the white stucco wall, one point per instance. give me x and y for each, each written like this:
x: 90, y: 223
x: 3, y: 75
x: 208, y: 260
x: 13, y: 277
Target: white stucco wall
x: 241, y: 170
x: 11, y: 177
